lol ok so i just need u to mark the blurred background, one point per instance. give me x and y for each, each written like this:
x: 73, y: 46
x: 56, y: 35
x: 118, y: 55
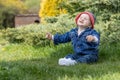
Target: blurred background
x: 19, y: 13
x: 25, y: 53
x: 11, y: 8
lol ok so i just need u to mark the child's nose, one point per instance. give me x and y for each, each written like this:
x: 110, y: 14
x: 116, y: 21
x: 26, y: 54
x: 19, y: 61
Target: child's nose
x: 81, y: 19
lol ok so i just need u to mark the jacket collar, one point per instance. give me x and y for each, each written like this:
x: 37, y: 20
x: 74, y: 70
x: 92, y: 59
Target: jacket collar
x: 87, y: 29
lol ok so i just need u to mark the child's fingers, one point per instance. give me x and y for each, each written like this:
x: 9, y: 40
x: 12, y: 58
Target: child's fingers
x: 46, y: 36
x: 89, y: 38
x: 49, y: 36
x: 48, y: 33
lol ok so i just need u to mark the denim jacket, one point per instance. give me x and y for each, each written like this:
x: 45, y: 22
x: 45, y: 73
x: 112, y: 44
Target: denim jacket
x: 80, y: 45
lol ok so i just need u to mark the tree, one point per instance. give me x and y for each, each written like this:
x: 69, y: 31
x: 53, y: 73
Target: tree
x: 33, y: 6
x: 9, y: 9
x: 51, y: 8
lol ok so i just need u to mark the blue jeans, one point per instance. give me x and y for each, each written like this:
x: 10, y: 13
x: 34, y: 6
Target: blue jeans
x: 83, y: 58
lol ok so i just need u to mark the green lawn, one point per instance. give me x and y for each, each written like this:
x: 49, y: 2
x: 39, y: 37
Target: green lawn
x: 24, y: 62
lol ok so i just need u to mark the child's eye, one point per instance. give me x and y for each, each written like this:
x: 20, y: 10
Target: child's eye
x: 85, y: 19
x: 80, y: 17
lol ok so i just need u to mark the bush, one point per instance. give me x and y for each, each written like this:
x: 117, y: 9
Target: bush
x: 34, y: 34
x: 101, y: 8
x: 51, y: 8
x: 51, y: 19
x: 111, y: 34
x: 31, y: 34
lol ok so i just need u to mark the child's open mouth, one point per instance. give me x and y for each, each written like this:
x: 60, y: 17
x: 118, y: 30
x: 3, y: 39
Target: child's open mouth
x: 81, y: 21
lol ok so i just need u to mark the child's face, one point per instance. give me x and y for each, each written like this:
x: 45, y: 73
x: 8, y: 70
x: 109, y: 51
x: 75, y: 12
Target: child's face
x: 84, y: 21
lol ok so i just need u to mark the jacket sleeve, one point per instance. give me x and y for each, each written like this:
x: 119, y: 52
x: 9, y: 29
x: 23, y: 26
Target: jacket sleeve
x: 61, y: 38
x: 97, y: 36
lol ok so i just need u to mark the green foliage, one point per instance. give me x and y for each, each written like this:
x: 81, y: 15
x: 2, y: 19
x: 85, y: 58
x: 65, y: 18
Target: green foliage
x: 51, y: 19
x: 10, y: 8
x: 32, y: 5
x: 101, y: 8
x: 25, y: 62
x: 7, y: 18
x: 32, y: 35
x: 35, y: 34
x: 2, y: 40
x: 74, y: 6
x: 8, y: 11
x: 110, y: 30
x: 111, y: 33
x: 107, y: 13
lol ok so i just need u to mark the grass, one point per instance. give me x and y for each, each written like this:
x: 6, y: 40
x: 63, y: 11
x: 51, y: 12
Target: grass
x: 24, y: 62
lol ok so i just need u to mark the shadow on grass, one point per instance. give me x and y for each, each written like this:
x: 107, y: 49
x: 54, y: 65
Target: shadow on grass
x: 48, y: 68
x: 44, y: 69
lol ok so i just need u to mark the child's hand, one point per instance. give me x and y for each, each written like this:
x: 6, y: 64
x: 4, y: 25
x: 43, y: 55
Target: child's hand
x: 49, y: 36
x: 90, y: 38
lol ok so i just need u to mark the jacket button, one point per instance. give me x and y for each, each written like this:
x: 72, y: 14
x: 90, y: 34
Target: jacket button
x: 78, y: 46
